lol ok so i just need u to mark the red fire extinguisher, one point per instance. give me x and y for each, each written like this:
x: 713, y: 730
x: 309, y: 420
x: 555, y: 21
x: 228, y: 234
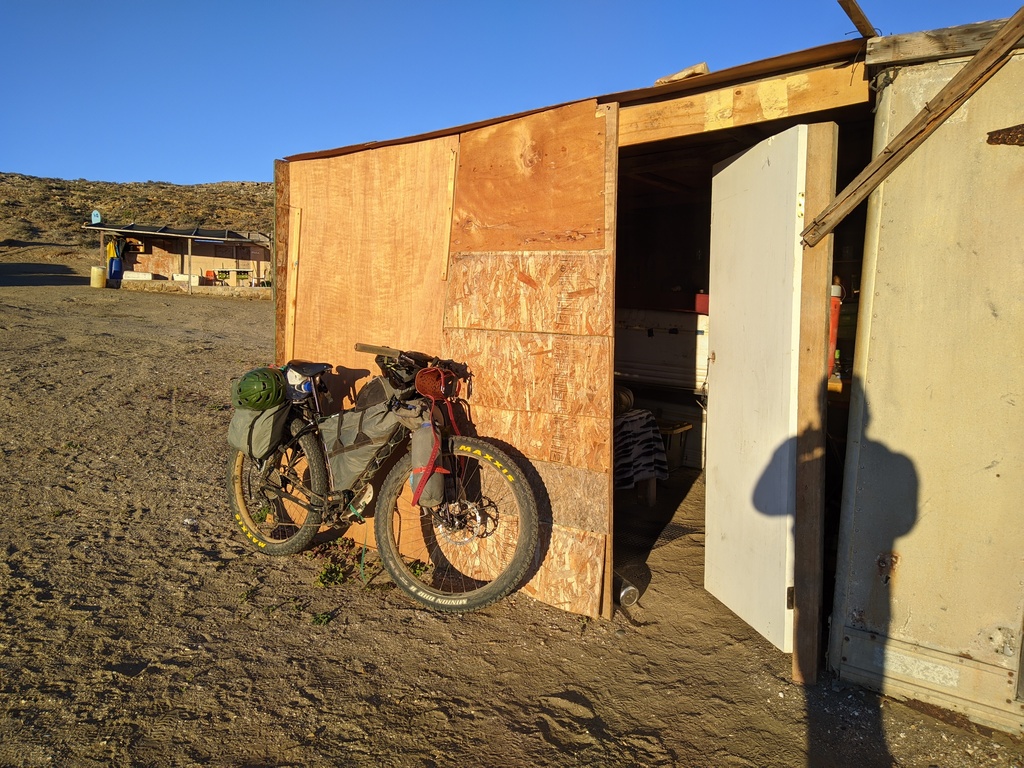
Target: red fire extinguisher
x: 833, y: 324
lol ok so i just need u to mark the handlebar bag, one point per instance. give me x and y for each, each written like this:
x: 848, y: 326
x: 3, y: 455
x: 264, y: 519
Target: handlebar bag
x: 258, y: 433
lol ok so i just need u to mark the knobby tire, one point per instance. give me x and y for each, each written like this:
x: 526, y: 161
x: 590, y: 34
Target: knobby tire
x: 473, y: 549
x: 271, y: 522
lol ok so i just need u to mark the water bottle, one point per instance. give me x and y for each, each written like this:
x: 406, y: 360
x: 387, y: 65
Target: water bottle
x: 301, y: 386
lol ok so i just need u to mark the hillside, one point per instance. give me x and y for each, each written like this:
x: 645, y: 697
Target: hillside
x: 39, y: 211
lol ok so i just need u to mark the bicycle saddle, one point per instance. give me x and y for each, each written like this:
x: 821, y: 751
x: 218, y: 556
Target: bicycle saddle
x: 306, y: 368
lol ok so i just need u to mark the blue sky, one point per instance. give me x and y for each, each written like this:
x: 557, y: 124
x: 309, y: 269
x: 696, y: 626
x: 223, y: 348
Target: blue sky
x: 198, y: 91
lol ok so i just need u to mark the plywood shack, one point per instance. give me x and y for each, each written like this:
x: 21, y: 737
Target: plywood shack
x: 496, y: 244
x: 517, y: 243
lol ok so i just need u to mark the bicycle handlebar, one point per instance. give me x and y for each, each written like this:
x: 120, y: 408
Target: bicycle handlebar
x: 375, y: 350
x: 418, y: 358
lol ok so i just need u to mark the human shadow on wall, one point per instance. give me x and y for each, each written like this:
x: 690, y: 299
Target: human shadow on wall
x: 833, y: 739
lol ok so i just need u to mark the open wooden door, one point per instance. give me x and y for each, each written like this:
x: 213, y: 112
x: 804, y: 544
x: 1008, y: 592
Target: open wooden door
x: 756, y: 220
x: 530, y: 304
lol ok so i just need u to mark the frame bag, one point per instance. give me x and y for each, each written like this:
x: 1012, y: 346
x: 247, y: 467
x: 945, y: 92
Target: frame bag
x: 354, y: 437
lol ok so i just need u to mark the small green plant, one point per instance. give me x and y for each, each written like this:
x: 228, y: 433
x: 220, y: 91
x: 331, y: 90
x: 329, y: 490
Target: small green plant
x: 247, y: 595
x: 321, y: 619
x: 418, y: 568
x: 331, y: 573
x: 260, y: 515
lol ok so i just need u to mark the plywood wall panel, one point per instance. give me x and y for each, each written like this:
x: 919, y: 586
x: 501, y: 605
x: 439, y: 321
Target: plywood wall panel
x: 773, y: 98
x: 573, y: 573
x: 535, y: 183
x: 494, y: 247
x: 580, y: 441
x: 549, y: 373
x: 373, y: 250
x: 582, y: 496
x: 547, y: 292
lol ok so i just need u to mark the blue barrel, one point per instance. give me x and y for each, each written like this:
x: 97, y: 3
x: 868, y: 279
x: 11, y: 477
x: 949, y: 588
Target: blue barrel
x: 116, y: 270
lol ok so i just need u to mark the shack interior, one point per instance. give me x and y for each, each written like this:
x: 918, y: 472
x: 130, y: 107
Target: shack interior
x: 665, y: 323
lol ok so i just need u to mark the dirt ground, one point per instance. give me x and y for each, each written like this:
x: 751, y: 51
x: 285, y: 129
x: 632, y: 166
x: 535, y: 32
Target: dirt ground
x: 137, y: 629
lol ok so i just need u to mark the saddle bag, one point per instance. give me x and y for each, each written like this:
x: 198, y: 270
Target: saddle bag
x: 258, y: 433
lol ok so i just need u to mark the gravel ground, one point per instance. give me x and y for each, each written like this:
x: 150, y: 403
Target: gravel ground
x: 137, y: 628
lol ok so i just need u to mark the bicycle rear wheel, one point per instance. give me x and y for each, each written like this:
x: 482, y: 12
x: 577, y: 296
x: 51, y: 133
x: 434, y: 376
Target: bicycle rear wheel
x: 471, y: 550
x: 277, y: 503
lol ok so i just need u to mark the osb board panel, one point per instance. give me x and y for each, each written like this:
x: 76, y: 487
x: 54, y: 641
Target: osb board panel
x: 579, y: 498
x: 372, y: 250
x: 546, y: 292
x: 533, y: 183
x: 776, y: 98
x: 582, y: 441
x: 572, y: 575
x: 537, y: 372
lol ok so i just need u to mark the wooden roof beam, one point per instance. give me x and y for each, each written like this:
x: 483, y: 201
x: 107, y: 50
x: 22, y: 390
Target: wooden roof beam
x: 975, y: 74
x: 858, y: 17
x: 965, y: 40
x: 776, y: 98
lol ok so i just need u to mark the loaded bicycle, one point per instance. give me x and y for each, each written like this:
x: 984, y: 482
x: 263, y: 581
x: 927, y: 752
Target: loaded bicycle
x: 455, y: 522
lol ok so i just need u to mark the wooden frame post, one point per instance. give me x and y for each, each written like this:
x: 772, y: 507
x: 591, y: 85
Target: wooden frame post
x: 808, y: 534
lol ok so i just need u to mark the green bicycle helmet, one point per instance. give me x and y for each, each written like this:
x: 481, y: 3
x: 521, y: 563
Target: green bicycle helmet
x: 259, y: 389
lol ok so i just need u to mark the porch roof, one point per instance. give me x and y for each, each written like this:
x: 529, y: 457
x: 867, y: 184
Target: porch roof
x: 196, y: 233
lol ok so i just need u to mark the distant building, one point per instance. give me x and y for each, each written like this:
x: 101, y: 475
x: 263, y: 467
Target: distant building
x: 206, y: 256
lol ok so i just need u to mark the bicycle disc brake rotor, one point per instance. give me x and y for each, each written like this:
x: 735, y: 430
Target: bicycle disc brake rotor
x: 464, y: 521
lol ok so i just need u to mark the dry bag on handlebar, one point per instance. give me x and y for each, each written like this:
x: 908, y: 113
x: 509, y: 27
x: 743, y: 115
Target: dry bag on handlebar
x: 424, y: 457
x: 353, y: 437
x: 258, y: 433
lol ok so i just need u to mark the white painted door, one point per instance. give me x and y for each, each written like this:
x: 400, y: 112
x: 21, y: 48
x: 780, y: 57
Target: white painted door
x: 756, y: 220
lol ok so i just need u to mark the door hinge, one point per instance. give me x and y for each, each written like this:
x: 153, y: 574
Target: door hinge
x: 790, y: 599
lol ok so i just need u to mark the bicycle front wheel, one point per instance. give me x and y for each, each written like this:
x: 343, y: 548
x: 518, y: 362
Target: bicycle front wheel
x: 277, y: 503
x: 475, y: 547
